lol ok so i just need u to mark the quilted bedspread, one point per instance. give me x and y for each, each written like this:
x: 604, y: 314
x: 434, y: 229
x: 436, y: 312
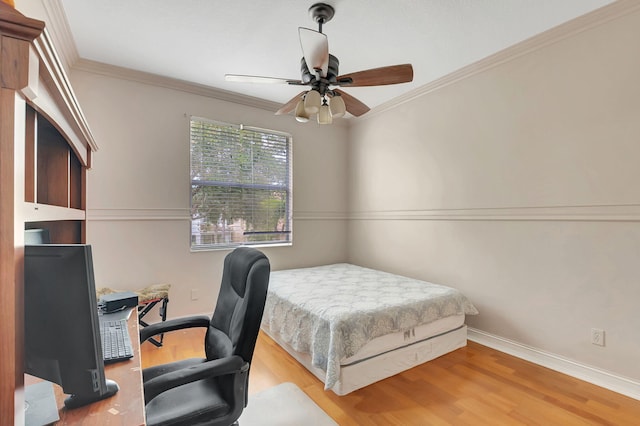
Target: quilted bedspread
x: 332, y: 311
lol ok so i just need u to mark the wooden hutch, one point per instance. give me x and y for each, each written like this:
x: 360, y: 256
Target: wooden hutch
x: 45, y: 150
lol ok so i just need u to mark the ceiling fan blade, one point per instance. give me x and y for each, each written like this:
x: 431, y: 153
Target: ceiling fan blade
x: 257, y: 79
x: 291, y: 105
x: 353, y: 105
x: 315, y: 49
x: 393, y: 74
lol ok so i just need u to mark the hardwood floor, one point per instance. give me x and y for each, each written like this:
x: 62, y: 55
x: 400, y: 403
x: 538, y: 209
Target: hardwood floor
x: 474, y: 385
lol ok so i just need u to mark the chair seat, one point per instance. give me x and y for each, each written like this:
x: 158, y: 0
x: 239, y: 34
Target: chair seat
x: 191, y: 404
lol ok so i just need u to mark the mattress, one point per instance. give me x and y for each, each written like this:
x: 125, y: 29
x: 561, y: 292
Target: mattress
x: 342, y: 314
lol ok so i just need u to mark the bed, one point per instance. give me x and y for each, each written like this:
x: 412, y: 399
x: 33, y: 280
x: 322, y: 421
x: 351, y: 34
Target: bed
x: 352, y: 326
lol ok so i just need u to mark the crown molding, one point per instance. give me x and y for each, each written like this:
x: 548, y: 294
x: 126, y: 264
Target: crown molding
x: 60, y: 32
x: 172, y: 83
x: 563, y: 31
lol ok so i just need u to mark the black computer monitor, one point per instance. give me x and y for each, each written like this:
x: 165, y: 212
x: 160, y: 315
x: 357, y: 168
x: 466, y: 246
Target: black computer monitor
x: 62, y: 330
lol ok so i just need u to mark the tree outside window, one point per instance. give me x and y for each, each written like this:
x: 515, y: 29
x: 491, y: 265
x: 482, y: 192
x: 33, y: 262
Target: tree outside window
x: 240, y: 186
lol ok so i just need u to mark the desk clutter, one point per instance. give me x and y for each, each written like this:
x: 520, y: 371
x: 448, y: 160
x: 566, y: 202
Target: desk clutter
x: 147, y: 299
x: 114, y: 302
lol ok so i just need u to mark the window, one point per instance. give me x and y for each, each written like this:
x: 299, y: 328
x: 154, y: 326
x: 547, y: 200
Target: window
x: 240, y: 186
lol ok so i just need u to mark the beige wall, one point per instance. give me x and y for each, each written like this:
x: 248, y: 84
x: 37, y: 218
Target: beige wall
x: 138, y: 198
x: 518, y: 185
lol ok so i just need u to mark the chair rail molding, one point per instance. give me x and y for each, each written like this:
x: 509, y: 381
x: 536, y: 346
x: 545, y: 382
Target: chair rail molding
x: 169, y: 213
x: 604, y: 212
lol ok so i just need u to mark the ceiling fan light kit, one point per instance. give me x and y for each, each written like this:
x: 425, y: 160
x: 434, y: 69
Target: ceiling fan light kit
x: 301, y: 113
x: 338, y: 108
x: 326, y: 107
x: 312, y: 102
x: 319, y: 70
x: 324, y: 115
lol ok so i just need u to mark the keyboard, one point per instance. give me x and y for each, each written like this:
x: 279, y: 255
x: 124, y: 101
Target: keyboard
x: 116, y: 342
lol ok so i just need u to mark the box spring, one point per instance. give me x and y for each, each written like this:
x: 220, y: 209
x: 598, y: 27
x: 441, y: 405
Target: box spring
x: 389, y: 355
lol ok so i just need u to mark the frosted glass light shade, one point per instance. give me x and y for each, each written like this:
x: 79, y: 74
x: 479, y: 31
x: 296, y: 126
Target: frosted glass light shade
x: 338, y: 108
x: 312, y: 102
x: 301, y: 113
x: 324, y: 115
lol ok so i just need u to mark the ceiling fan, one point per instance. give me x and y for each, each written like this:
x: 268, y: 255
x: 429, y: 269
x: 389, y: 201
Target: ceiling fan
x: 319, y: 70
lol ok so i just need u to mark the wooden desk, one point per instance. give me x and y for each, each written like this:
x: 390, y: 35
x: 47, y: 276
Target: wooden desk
x: 126, y: 407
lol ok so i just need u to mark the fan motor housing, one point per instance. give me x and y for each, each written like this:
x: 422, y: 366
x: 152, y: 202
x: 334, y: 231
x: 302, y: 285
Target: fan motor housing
x: 332, y: 71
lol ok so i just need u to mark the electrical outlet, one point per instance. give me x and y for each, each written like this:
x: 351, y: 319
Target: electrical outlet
x: 597, y: 336
x: 195, y: 294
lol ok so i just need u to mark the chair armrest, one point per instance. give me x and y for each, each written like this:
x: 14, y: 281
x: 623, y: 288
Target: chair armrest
x: 217, y: 367
x: 174, y: 324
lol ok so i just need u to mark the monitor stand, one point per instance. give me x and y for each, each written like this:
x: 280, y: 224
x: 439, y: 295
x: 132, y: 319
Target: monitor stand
x: 40, y: 406
x: 76, y: 401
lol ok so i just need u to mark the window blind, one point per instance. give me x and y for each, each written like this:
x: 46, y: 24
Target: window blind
x: 240, y: 185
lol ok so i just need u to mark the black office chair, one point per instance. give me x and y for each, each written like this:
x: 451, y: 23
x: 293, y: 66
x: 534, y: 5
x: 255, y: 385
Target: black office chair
x: 213, y: 390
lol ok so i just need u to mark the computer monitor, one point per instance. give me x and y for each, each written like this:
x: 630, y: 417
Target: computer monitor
x: 62, y: 330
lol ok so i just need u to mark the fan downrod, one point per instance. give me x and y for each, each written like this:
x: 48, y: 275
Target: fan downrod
x: 321, y: 13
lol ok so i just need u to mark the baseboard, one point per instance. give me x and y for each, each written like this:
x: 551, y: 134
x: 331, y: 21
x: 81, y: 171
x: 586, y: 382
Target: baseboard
x: 602, y: 378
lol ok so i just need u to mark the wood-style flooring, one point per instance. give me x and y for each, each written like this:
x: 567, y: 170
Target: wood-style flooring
x: 474, y: 385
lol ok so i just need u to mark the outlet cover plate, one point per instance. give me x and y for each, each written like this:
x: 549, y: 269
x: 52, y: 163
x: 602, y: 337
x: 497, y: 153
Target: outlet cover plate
x: 597, y: 336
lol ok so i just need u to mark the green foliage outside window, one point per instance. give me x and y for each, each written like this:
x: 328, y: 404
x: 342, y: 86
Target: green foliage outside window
x: 240, y: 185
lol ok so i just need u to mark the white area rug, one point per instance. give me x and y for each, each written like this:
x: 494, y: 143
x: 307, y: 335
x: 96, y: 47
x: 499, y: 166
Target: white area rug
x: 283, y: 405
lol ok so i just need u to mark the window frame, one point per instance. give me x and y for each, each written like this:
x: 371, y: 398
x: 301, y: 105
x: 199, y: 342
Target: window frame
x: 287, y: 187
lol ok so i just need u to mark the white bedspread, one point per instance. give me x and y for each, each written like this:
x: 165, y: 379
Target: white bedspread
x: 332, y: 311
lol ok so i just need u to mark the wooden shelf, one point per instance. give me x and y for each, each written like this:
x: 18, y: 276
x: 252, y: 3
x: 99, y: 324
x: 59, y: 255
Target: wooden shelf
x: 54, y: 181
x: 54, y: 175
x: 34, y: 212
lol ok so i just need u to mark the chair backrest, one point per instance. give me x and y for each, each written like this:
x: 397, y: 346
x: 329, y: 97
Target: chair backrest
x: 240, y: 305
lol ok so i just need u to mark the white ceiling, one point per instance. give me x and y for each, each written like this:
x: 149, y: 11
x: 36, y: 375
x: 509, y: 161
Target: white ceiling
x: 200, y: 41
